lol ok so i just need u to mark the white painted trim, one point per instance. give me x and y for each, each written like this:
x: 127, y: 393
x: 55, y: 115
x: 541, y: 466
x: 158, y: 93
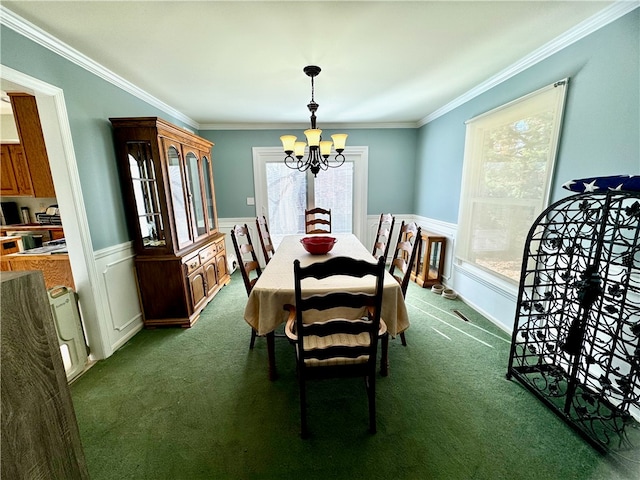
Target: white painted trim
x: 485, y: 314
x: 587, y: 27
x: 113, y: 250
x: 448, y: 230
x: 494, y: 283
x: 303, y: 126
x: 123, y: 315
x: 138, y: 315
x: 487, y: 294
x: 39, y: 36
x: 437, y: 226
x: 360, y: 187
x: 59, y: 144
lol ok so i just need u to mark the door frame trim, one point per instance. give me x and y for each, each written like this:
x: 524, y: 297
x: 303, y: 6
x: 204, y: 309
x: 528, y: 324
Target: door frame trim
x: 66, y: 180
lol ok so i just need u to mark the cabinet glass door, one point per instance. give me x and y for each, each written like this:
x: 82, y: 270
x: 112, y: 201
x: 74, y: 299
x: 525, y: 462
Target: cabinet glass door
x: 195, y: 194
x: 145, y: 192
x: 180, y: 214
x: 209, y: 199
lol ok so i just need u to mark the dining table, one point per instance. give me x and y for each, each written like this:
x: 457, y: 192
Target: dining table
x: 275, y: 289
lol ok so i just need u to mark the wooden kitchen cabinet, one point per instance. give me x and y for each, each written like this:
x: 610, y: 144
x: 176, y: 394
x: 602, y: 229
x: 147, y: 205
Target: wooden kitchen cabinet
x: 15, y: 179
x: 55, y: 268
x: 167, y: 184
x: 38, y: 174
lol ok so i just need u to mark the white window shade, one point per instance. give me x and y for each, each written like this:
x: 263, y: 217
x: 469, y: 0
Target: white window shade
x: 508, y: 163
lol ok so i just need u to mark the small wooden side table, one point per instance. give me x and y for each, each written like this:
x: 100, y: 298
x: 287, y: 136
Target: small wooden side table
x: 429, y: 265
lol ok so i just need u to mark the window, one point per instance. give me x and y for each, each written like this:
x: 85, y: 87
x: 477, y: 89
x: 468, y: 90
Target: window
x: 290, y: 192
x: 282, y: 194
x: 508, y: 163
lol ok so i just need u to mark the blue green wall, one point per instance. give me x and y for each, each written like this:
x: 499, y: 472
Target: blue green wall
x: 601, y: 130
x: 391, y: 166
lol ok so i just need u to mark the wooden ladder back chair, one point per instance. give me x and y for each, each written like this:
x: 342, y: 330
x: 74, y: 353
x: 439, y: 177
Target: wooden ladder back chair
x: 383, y: 236
x: 317, y: 220
x: 337, y: 347
x: 265, y: 238
x: 403, y: 258
x: 247, y: 262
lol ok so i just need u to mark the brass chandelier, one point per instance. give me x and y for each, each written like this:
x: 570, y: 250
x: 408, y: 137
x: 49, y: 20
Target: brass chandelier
x: 319, y: 150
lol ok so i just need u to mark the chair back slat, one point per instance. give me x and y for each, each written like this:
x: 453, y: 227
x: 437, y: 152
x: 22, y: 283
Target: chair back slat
x: 383, y: 236
x: 338, y: 299
x: 268, y: 250
x: 323, y: 329
x: 247, y: 260
x: 317, y: 220
x: 353, y: 268
x: 405, y: 253
x: 339, y: 351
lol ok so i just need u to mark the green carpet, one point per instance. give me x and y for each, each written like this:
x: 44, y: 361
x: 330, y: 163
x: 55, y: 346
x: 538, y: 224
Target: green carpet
x: 197, y: 404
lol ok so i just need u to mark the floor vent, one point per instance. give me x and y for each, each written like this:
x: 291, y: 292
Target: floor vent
x: 461, y: 315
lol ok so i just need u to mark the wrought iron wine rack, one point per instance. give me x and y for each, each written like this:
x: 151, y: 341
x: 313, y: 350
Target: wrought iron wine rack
x: 576, y: 338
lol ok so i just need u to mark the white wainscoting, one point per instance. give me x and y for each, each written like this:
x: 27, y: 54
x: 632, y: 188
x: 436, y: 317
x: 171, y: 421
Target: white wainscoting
x: 448, y: 230
x: 488, y: 294
x: 121, y: 315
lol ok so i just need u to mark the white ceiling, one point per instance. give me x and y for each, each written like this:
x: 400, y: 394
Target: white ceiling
x: 240, y: 62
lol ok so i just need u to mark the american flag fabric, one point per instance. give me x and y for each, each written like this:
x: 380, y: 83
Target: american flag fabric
x: 597, y: 184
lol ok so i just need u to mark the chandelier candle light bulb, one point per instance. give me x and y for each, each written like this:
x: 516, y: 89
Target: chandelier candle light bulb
x: 313, y: 136
x: 319, y: 150
x: 298, y: 148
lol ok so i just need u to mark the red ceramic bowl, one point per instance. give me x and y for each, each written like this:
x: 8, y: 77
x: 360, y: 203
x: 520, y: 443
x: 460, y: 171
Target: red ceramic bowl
x: 318, y: 244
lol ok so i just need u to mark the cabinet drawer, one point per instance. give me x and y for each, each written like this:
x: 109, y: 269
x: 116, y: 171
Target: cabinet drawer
x: 220, y: 246
x: 192, y: 264
x: 207, y: 253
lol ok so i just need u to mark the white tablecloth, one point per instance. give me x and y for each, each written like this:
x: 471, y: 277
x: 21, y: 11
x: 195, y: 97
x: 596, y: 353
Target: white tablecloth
x: 275, y: 287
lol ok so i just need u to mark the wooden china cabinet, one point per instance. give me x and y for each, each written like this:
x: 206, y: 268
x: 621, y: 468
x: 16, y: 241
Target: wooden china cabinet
x: 167, y: 183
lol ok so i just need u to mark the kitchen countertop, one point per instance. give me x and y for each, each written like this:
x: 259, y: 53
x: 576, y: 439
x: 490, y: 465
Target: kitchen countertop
x: 47, y: 250
x: 53, y: 232
x: 54, y: 247
x: 29, y: 226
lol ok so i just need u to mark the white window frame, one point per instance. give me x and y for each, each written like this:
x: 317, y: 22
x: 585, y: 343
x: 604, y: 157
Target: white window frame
x: 473, y: 143
x: 358, y: 155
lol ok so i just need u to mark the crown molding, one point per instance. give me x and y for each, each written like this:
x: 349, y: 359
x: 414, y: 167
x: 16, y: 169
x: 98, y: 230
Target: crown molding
x: 303, y: 126
x: 39, y: 36
x: 588, y: 26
